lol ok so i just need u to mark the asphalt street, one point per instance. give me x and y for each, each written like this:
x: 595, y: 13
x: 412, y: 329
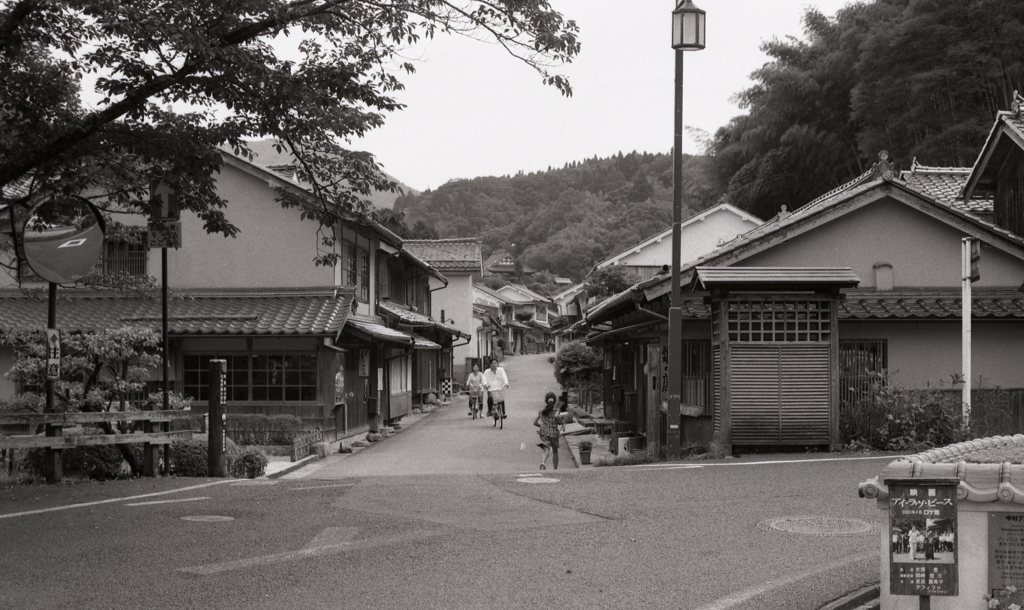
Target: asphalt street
x: 496, y: 533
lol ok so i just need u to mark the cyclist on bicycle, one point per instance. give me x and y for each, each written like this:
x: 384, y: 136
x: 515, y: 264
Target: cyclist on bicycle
x: 495, y: 379
x: 475, y: 386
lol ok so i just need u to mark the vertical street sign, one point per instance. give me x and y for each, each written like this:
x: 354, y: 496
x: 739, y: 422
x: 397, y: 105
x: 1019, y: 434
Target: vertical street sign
x: 923, y: 538
x: 52, y: 353
x: 217, y: 400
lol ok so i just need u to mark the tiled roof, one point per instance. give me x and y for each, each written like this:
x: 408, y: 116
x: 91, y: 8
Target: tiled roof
x: 711, y: 276
x: 945, y: 185
x: 980, y: 482
x: 448, y: 255
x: 378, y: 331
x: 321, y: 315
x: 862, y: 305
x: 414, y: 318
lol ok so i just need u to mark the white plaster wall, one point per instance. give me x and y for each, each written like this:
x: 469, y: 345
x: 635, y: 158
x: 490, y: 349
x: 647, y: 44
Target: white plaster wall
x: 273, y: 248
x: 698, y: 239
x: 457, y: 302
x: 924, y: 252
x: 925, y: 354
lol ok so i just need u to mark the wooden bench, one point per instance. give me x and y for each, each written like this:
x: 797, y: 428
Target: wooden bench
x: 54, y: 440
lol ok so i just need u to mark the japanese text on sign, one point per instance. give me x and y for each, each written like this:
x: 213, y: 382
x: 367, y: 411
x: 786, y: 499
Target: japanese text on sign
x: 923, y: 537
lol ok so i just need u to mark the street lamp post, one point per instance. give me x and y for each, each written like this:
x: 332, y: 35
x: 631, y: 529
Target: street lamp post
x: 688, y: 28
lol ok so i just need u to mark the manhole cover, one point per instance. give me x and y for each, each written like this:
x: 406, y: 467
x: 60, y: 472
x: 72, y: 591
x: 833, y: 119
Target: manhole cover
x: 817, y: 526
x: 208, y: 518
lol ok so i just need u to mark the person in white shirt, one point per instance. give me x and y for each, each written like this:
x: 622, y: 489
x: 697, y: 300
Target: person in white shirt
x: 495, y: 378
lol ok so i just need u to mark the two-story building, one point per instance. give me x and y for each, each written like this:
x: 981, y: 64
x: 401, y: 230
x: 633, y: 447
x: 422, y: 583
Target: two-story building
x: 460, y: 260
x: 528, y: 325
x: 298, y: 339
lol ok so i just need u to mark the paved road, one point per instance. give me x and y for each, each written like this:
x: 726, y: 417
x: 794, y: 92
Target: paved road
x: 451, y: 442
x: 355, y: 534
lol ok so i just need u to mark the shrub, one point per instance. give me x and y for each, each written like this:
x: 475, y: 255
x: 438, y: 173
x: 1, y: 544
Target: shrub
x: 255, y: 429
x: 189, y: 458
x: 577, y: 364
x: 96, y: 462
x: 908, y: 420
x: 248, y: 463
x: 586, y: 445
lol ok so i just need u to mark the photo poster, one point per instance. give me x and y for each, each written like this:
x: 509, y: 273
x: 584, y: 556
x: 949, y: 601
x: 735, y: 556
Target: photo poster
x: 1006, y: 556
x: 923, y: 539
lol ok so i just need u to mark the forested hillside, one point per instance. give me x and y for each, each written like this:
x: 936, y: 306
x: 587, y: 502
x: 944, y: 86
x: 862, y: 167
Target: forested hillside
x: 563, y: 220
x: 918, y: 78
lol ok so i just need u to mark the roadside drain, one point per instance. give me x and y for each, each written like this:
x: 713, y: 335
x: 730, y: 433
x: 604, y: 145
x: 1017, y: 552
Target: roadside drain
x: 817, y: 526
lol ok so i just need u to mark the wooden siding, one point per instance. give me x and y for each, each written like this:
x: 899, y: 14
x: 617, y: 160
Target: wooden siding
x: 780, y: 394
x: 1009, y: 200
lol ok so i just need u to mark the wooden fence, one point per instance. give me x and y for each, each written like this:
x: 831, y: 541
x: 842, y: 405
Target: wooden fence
x: 18, y: 431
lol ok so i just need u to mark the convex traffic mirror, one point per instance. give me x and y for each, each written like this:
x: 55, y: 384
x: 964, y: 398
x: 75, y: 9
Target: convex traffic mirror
x: 62, y: 239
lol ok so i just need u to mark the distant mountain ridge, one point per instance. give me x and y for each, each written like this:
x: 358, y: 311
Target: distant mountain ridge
x: 565, y: 220
x: 266, y: 155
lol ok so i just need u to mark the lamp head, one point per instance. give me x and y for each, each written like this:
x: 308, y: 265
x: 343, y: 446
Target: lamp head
x: 688, y: 27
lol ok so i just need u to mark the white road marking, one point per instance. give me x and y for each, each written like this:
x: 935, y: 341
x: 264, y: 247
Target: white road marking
x: 168, y: 501
x: 808, y: 461
x: 53, y: 509
x: 745, y: 595
x: 255, y: 483
x: 537, y: 480
x: 531, y: 474
x: 330, y: 541
x: 73, y: 243
x: 324, y: 486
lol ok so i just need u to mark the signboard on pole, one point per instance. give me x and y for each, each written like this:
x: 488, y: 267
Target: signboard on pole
x: 922, y: 537
x: 164, y: 234
x: 1006, y: 556
x: 52, y: 353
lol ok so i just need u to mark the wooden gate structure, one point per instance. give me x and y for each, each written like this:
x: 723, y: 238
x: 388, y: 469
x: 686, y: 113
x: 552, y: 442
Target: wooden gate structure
x: 775, y: 353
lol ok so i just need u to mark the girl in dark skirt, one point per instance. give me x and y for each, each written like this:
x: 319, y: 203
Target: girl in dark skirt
x: 548, y: 421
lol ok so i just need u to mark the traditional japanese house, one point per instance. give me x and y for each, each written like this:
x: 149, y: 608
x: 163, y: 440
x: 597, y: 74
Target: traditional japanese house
x: 785, y: 322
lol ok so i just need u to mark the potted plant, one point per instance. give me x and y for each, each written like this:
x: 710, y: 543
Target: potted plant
x: 585, y: 447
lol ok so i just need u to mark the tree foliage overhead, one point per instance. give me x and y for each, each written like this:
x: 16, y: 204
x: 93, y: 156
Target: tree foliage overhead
x: 312, y: 73
x: 917, y: 78
x: 564, y: 220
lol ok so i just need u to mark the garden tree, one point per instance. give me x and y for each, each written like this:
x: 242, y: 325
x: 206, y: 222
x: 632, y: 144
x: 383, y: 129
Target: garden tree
x: 99, y: 370
x: 578, y: 366
x: 937, y: 72
x: 914, y: 77
x: 311, y: 73
x: 797, y: 140
x: 608, y: 281
x: 421, y: 230
x: 391, y: 220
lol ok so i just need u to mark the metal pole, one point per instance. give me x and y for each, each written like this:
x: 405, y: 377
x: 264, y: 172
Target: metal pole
x: 164, y: 346
x: 53, y: 466
x: 675, y: 312
x: 163, y: 336
x: 965, y: 344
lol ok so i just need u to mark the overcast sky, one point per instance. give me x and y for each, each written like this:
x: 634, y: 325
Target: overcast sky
x: 474, y: 111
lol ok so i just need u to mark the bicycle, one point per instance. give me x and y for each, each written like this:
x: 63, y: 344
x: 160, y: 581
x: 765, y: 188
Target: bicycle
x: 498, y: 409
x: 475, y: 406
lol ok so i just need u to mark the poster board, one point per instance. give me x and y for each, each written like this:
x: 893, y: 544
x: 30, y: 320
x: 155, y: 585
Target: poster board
x: 923, y: 538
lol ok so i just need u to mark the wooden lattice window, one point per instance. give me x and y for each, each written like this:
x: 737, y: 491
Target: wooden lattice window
x: 778, y: 321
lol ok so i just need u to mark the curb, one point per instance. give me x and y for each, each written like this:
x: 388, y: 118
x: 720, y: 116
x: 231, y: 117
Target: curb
x: 292, y: 467
x: 855, y: 599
